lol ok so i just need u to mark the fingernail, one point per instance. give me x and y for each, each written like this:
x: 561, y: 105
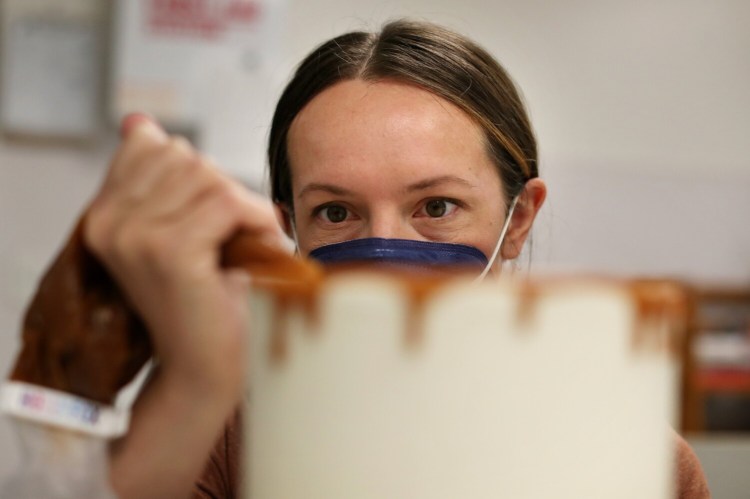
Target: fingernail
x: 135, y: 120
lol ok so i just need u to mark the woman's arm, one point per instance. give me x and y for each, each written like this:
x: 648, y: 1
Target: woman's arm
x: 691, y: 481
x: 173, y: 431
x: 158, y: 224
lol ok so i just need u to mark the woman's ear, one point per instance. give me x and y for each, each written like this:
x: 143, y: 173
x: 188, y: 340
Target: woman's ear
x: 529, y: 202
x: 284, y: 217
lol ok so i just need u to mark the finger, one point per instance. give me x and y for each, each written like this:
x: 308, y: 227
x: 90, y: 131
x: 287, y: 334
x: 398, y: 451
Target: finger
x: 179, y: 189
x: 132, y: 120
x: 143, y: 178
x: 179, y: 231
x: 223, y: 211
x: 118, y: 201
x: 166, y: 189
x: 142, y: 137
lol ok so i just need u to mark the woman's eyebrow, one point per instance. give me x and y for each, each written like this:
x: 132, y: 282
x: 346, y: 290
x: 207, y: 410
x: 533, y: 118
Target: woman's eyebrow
x: 329, y: 188
x: 437, y: 181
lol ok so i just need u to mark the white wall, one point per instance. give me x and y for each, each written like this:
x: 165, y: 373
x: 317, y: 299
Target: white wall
x: 628, y: 83
x: 642, y: 113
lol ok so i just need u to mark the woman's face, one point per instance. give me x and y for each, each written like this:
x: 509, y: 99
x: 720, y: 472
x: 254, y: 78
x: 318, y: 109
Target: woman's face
x: 387, y: 159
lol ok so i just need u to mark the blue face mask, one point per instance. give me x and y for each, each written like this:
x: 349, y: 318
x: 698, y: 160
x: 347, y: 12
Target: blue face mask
x: 409, y: 253
x: 401, y: 252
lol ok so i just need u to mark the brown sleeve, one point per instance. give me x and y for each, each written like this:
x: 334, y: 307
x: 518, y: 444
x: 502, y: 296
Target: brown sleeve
x: 220, y: 478
x: 691, y: 482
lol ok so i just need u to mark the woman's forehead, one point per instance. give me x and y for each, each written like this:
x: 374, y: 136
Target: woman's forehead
x: 385, y: 106
x: 383, y: 125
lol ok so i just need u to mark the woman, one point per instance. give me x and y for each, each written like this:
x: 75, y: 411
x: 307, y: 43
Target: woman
x: 413, y: 133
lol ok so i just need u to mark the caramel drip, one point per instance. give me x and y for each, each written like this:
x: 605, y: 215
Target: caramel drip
x: 301, y: 290
x: 662, y: 308
x: 291, y: 281
x: 420, y: 288
x: 288, y: 299
x: 528, y: 298
x: 662, y: 311
x: 278, y: 341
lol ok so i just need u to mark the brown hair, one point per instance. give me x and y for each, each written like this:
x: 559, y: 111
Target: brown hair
x: 431, y: 57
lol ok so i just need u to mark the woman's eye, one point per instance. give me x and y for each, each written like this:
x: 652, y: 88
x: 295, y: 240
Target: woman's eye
x: 334, y: 213
x: 437, y: 208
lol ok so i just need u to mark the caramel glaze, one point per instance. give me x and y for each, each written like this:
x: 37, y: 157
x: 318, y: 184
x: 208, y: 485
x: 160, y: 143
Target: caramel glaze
x: 81, y: 335
x: 661, y: 307
x: 292, y: 282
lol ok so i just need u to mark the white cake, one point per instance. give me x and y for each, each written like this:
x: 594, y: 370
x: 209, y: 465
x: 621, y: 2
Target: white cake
x: 372, y: 386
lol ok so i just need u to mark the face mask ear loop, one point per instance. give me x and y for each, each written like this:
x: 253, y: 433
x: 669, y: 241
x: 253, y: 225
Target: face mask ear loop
x: 500, y: 240
x: 293, y: 226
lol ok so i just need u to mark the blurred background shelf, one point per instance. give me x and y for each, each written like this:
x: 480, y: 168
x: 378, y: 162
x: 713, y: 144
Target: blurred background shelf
x: 719, y: 391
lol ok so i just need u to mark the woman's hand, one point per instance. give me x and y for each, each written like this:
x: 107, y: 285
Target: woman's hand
x: 158, y: 224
